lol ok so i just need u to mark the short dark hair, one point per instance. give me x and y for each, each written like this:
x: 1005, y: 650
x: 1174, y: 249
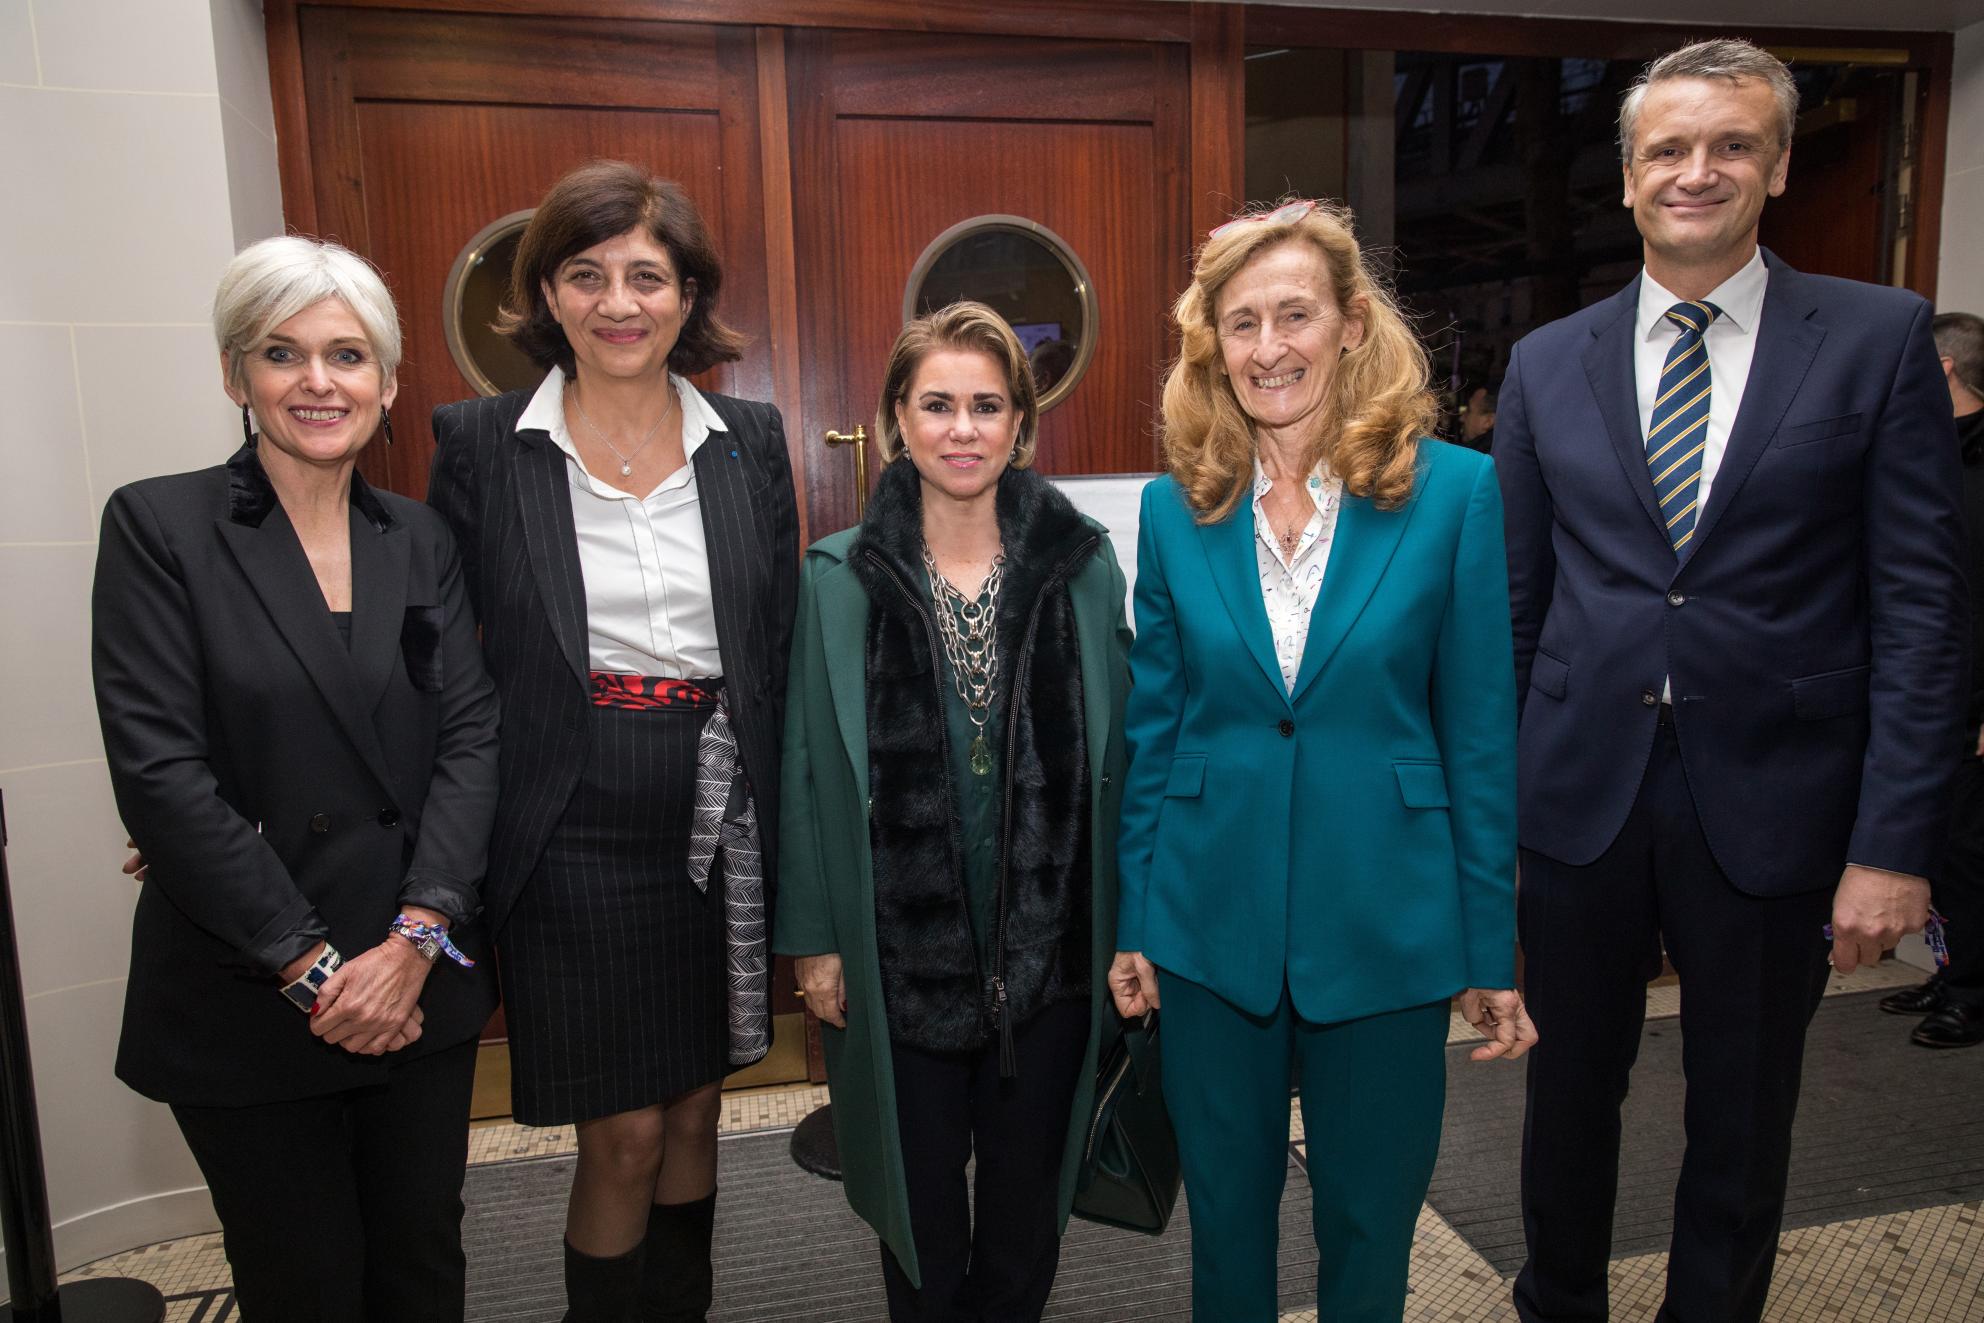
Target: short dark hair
x: 594, y: 203
x: 1960, y: 338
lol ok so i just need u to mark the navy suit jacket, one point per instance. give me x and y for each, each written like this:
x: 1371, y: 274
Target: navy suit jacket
x: 1815, y: 627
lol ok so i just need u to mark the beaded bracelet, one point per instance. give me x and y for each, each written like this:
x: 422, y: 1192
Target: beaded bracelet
x: 418, y: 933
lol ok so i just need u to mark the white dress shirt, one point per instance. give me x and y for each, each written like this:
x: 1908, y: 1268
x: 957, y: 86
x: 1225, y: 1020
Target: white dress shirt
x: 1732, y: 343
x: 1289, y: 584
x: 649, y: 609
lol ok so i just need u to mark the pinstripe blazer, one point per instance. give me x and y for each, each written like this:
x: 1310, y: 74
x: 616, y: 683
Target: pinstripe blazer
x: 506, y: 494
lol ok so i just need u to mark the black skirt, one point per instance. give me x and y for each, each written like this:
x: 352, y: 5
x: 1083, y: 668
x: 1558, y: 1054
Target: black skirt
x: 612, y: 962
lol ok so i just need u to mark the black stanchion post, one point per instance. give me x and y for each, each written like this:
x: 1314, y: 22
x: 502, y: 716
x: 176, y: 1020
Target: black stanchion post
x: 30, y: 1242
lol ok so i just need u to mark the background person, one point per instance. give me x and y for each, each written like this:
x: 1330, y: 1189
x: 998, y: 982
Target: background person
x: 1318, y: 828
x: 959, y: 666
x: 1951, y: 1002
x: 302, y: 742
x: 1477, y: 419
x: 632, y: 548
x: 1734, y: 544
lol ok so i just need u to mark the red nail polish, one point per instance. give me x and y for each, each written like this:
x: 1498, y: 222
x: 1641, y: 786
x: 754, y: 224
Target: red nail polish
x: 316, y: 1006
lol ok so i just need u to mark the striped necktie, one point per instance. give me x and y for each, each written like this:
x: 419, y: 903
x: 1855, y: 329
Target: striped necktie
x: 1679, y: 430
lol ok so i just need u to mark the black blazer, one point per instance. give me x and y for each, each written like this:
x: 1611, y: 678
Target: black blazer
x: 508, y: 498
x: 286, y: 790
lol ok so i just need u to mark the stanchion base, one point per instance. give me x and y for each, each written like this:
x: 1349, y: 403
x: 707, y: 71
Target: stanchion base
x: 813, y: 1144
x: 98, y: 1300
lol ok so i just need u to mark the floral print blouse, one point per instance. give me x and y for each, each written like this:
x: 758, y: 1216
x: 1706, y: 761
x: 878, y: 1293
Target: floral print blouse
x: 1289, y: 584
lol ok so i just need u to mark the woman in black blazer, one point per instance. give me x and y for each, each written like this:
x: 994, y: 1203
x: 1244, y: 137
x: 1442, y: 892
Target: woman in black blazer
x: 302, y: 741
x: 632, y: 549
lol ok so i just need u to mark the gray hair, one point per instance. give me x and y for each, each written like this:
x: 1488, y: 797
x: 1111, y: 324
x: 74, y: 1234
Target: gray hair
x: 271, y: 281
x: 1960, y: 338
x: 1728, y: 58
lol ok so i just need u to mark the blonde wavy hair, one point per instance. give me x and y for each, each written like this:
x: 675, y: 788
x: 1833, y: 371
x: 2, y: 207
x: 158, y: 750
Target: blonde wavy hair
x: 960, y: 326
x: 1379, y: 403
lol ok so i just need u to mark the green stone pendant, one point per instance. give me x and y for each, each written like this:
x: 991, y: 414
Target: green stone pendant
x: 981, y: 756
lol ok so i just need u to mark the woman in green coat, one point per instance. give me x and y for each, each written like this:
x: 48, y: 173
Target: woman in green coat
x: 954, y: 753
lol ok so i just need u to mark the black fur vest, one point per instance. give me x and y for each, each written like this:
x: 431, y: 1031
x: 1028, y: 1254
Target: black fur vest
x: 937, y: 997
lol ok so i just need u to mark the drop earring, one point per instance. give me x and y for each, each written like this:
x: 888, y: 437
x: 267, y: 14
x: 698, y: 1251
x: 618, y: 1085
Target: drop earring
x: 386, y: 421
x: 247, y: 427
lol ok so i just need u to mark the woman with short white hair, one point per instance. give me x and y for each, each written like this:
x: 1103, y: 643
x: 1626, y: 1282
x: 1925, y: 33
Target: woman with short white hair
x: 302, y: 742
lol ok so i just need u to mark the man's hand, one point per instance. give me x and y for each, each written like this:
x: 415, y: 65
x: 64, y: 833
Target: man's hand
x: 1871, y: 911
x: 1499, y: 1014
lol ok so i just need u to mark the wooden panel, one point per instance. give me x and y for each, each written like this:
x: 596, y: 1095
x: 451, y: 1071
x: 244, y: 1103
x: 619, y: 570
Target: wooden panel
x: 292, y: 117
x: 1102, y: 182
x: 967, y: 77
x: 1219, y: 114
x: 1829, y: 220
x: 649, y: 66
x: 1133, y: 20
x: 926, y: 152
x: 1925, y: 243
x: 781, y: 280
x: 437, y: 173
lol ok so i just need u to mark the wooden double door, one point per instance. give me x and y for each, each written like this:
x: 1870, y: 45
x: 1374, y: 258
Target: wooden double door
x: 824, y: 159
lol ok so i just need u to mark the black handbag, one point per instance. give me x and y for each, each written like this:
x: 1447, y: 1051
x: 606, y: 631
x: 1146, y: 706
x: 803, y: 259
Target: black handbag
x: 1129, y: 1174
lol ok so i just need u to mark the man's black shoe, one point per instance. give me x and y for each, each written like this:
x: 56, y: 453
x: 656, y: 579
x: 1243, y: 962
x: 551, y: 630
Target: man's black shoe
x: 1958, y: 1024
x: 1919, y: 1000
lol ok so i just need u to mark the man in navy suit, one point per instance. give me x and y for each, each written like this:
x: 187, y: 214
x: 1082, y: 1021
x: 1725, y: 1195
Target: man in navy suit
x: 1734, y: 563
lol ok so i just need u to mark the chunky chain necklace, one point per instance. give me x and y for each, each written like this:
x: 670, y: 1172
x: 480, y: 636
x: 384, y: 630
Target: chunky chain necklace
x: 968, y: 627
x: 626, y: 460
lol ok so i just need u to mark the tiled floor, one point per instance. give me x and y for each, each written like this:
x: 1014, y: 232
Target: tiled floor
x: 1924, y: 1266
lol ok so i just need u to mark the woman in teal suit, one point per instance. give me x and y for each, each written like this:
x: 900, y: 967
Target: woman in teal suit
x: 1318, y: 823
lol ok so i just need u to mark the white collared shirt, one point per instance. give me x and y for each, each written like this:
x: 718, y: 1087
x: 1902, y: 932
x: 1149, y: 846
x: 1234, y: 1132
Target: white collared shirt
x: 1289, y: 584
x: 649, y: 609
x: 1732, y: 343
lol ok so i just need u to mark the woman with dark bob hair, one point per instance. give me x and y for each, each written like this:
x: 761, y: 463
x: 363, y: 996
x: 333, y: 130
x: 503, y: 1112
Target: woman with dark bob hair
x: 631, y: 545
x: 302, y: 740
x: 952, y: 767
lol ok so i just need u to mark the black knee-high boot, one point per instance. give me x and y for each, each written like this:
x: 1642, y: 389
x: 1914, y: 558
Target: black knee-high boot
x: 678, y: 1281
x: 602, y: 1290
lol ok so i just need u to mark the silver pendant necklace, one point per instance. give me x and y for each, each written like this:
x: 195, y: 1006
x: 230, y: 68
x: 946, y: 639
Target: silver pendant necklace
x: 968, y: 627
x: 626, y: 460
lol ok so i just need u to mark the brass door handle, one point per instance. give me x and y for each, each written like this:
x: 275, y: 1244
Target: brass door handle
x: 858, y: 438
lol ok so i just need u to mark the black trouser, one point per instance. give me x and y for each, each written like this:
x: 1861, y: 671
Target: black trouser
x: 345, y: 1208
x: 999, y: 1265
x: 1752, y: 971
x: 1959, y: 886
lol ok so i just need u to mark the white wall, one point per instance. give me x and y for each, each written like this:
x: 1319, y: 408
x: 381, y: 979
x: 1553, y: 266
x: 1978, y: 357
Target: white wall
x: 137, y: 150
x: 1960, y: 273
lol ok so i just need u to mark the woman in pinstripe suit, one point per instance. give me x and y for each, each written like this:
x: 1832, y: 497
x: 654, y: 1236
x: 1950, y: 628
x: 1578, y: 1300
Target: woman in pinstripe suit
x: 631, y: 546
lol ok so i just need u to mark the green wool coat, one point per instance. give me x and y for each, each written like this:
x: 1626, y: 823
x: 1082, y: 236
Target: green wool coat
x: 826, y: 898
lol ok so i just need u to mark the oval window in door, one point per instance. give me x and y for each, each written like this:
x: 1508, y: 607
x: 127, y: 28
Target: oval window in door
x: 476, y: 287
x: 1027, y: 274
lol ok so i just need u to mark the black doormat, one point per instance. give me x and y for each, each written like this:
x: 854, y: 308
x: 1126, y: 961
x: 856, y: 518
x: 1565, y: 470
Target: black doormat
x: 1883, y: 1126
x: 788, y: 1249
